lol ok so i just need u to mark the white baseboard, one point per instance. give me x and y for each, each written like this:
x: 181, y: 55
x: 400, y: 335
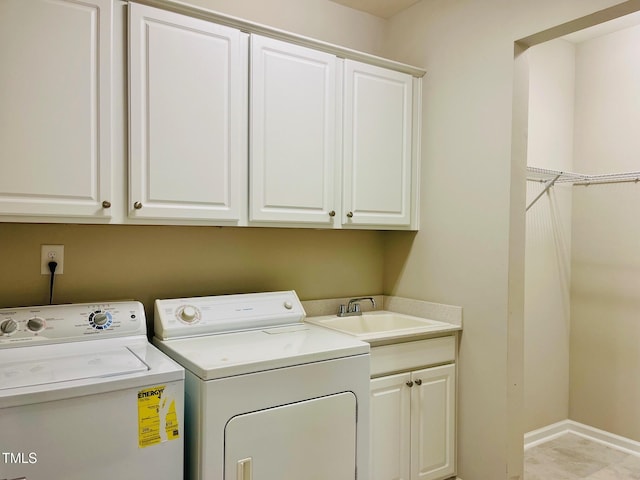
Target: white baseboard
x: 545, y: 434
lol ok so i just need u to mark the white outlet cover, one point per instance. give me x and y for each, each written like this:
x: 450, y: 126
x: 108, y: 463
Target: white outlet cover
x: 58, y: 252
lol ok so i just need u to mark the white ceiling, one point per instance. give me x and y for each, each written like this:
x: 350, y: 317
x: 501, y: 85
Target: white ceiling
x: 379, y: 8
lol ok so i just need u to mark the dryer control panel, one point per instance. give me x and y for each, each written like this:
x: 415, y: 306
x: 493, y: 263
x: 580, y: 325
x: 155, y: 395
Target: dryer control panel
x: 64, y: 323
x: 186, y: 317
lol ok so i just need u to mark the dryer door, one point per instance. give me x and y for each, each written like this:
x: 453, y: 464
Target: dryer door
x: 314, y: 440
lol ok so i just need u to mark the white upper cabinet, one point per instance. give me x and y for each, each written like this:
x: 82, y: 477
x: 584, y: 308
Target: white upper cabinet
x: 379, y: 170
x: 293, y: 133
x: 224, y: 127
x: 188, y: 118
x: 55, y: 109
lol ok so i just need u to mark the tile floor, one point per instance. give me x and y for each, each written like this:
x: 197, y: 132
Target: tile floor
x: 572, y: 457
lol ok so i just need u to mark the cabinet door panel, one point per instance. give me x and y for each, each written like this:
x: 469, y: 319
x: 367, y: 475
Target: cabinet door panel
x: 377, y: 146
x: 55, y: 120
x: 188, y: 118
x: 293, y: 132
x: 433, y: 423
x: 390, y: 427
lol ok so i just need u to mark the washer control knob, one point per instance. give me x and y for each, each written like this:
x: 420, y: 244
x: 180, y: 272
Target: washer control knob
x: 35, y: 324
x: 8, y: 326
x: 288, y: 305
x: 100, y: 318
x: 188, y: 314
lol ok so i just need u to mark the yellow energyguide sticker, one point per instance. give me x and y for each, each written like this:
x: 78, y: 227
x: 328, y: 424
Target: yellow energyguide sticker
x: 157, y: 418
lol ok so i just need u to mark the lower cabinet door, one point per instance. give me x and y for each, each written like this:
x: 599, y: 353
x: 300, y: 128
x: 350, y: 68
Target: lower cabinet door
x: 390, y: 427
x: 311, y: 440
x: 433, y: 423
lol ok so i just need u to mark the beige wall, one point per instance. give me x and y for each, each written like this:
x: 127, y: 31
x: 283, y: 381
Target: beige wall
x: 320, y: 19
x: 149, y: 262
x: 468, y: 234
x: 548, y: 240
x: 603, y: 303
x: 605, y: 306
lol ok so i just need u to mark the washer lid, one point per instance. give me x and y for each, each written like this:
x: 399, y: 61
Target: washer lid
x: 64, y: 367
x: 224, y: 355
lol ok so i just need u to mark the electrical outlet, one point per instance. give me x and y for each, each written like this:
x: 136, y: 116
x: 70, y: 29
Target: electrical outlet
x: 51, y: 253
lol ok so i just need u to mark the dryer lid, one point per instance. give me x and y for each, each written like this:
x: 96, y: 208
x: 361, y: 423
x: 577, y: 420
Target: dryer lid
x: 238, y: 353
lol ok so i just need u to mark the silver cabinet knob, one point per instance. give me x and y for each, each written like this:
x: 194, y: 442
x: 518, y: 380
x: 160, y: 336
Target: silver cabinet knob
x: 349, y: 214
x: 332, y: 213
x: 106, y: 204
x: 409, y: 383
x: 137, y: 205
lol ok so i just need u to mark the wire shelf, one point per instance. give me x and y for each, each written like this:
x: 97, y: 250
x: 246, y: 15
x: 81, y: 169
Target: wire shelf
x: 544, y: 175
x: 550, y: 177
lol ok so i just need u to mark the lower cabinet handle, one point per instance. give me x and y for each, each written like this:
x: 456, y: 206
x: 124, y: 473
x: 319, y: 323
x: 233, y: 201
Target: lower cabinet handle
x: 137, y: 205
x: 418, y: 382
x: 409, y: 383
x: 244, y: 469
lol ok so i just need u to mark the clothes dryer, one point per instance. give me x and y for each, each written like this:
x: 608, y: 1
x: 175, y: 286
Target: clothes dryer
x: 267, y: 396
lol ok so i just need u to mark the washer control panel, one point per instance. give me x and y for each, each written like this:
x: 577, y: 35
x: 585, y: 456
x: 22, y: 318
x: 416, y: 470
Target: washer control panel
x: 184, y: 317
x: 79, y: 321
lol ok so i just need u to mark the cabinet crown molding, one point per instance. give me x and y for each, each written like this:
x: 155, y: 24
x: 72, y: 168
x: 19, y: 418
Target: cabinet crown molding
x: 251, y: 27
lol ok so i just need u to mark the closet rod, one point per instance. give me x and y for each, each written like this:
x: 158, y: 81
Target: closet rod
x: 612, y: 178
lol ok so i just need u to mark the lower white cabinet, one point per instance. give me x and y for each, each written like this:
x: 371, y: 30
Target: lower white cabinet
x: 413, y: 424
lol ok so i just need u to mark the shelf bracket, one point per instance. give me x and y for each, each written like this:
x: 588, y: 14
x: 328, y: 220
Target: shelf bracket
x: 547, y: 186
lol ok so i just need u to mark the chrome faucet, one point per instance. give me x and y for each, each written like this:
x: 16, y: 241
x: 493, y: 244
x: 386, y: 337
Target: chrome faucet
x: 353, y: 307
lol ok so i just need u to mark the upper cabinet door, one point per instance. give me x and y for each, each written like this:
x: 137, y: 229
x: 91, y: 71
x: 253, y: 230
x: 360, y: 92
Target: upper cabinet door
x: 377, y: 174
x: 55, y: 108
x: 293, y: 133
x: 188, y: 118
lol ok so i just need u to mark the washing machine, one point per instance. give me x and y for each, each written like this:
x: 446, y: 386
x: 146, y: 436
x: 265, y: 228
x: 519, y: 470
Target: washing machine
x: 85, y: 395
x: 268, y: 397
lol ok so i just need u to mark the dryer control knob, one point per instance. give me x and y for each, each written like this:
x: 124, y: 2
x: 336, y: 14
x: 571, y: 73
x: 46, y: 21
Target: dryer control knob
x: 35, y: 324
x: 8, y: 326
x: 288, y: 305
x: 188, y: 314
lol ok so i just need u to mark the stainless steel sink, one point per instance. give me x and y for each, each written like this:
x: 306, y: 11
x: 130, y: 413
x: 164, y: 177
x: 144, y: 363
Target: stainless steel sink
x: 379, y: 324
